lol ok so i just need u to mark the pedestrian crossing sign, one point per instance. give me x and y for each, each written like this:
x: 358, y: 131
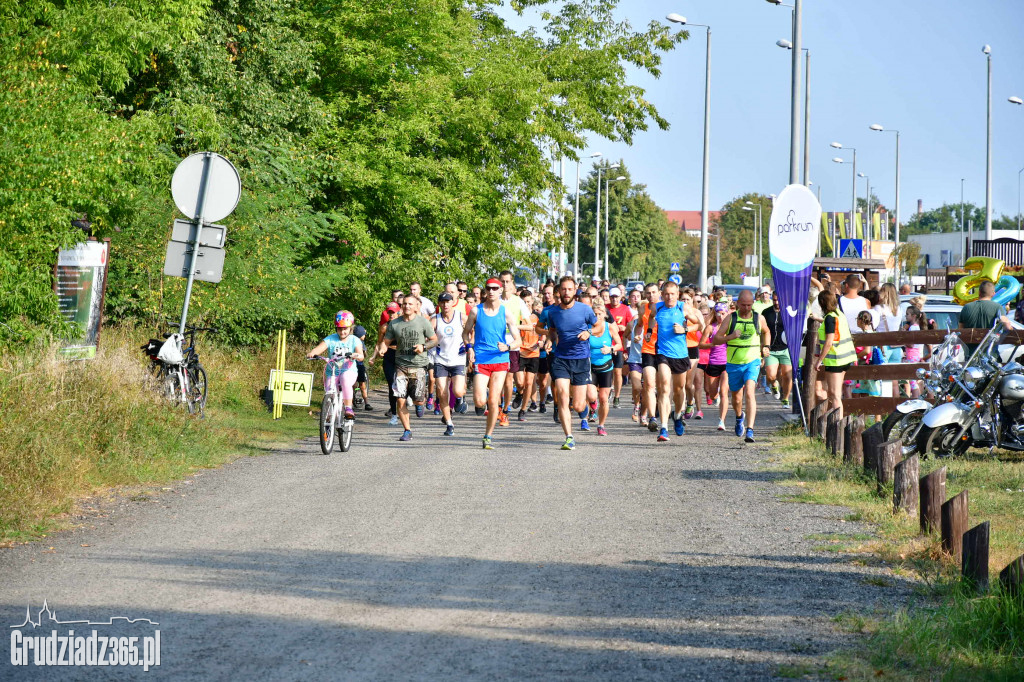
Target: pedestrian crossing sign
x: 851, y: 248
x: 674, y: 267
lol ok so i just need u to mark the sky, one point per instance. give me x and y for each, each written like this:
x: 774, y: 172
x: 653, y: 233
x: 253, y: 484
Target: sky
x: 912, y: 65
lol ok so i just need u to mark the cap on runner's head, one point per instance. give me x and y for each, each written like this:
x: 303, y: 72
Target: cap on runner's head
x: 615, y: 291
x: 492, y: 281
x: 344, y: 319
x: 445, y: 297
x: 394, y: 308
x: 721, y: 307
x: 639, y: 287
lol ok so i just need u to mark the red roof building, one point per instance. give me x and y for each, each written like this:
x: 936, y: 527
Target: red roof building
x: 689, y: 221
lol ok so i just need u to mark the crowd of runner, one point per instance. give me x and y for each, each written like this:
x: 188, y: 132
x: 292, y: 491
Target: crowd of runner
x: 573, y: 349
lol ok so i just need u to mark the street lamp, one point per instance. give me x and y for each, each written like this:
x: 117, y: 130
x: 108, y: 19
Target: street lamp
x: 702, y: 275
x: 807, y: 107
x: 988, y: 147
x: 576, y: 236
x: 867, y: 187
x: 963, y: 242
x: 607, y: 202
x: 853, y: 191
x: 794, y: 117
x: 1019, y: 102
x: 896, y: 240
x: 597, y: 223
x: 835, y: 241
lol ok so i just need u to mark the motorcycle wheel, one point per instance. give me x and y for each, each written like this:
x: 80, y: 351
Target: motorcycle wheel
x: 940, y: 441
x: 903, y: 427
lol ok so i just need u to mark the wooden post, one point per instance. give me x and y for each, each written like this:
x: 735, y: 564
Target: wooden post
x: 933, y: 492
x: 975, y: 562
x: 954, y: 524
x: 823, y: 424
x: 839, y: 446
x: 905, y: 485
x: 853, y: 446
x: 1012, y: 577
x: 831, y: 424
x: 814, y: 419
x: 889, y: 453
x: 871, y: 439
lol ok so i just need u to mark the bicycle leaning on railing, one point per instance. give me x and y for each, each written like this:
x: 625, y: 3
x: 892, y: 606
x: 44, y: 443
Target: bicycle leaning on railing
x: 184, y: 382
x: 333, y: 418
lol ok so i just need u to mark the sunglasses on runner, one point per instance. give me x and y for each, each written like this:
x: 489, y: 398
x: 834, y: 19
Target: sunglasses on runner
x: 493, y: 288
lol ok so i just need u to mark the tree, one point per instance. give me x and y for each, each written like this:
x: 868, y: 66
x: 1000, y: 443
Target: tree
x: 908, y: 257
x: 737, y: 229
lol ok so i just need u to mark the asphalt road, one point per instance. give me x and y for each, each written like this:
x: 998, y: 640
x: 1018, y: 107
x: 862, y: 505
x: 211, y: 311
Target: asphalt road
x: 625, y: 559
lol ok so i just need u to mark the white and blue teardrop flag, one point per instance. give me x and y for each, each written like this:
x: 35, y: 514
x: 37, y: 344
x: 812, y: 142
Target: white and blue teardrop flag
x: 792, y: 242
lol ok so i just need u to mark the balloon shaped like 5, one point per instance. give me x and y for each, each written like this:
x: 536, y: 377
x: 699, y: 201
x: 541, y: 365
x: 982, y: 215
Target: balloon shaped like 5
x: 1006, y: 290
x: 984, y: 269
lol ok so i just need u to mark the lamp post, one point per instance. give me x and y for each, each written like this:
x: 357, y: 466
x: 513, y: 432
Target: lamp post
x: 759, y: 235
x: 607, y: 202
x: 597, y: 226
x: 963, y: 244
x: 835, y: 242
x: 702, y: 274
x: 988, y: 147
x: 853, y: 190
x: 867, y: 188
x: 794, y: 108
x: 896, y: 240
x: 1019, y: 102
x: 576, y: 235
x: 787, y: 44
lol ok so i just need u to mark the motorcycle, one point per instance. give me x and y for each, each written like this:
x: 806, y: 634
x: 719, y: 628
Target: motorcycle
x: 945, y: 365
x: 984, y: 406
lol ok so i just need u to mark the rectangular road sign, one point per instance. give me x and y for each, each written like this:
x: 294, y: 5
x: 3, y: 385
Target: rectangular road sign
x: 209, y: 262
x: 298, y: 387
x: 851, y: 248
x: 213, y: 235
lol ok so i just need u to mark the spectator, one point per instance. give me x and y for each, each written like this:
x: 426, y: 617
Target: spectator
x: 837, y: 353
x: 851, y: 302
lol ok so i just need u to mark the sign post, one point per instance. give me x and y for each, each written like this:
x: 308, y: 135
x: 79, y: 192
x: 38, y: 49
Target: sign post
x: 792, y: 242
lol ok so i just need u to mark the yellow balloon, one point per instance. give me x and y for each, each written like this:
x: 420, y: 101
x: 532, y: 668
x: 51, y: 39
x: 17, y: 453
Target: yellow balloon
x: 983, y: 269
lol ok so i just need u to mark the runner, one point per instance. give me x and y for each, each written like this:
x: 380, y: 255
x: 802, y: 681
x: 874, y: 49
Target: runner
x: 529, y: 354
x: 340, y: 376
x: 603, y: 347
x: 621, y: 314
x: 393, y: 310
x: 694, y: 324
x: 514, y: 378
x: 716, y: 360
x: 426, y: 307
x: 544, y: 364
x: 571, y: 323
x: 673, y: 358
x: 413, y: 337
x: 634, y: 355
x: 743, y: 359
x: 486, y: 330
x: 647, y: 335
x: 450, y: 366
x: 360, y: 333
x: 698, y: 372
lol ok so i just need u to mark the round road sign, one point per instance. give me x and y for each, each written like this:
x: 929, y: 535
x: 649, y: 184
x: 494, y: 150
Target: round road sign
x: 223, y: 187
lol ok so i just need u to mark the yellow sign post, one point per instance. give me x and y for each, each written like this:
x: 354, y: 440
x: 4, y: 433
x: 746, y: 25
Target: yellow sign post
x: 277, y: 383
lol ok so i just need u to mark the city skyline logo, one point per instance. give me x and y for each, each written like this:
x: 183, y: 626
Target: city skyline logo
x: 52, y: 618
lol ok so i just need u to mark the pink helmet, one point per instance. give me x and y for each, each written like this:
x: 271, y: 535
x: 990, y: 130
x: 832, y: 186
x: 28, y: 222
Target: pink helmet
x: 344, y: 319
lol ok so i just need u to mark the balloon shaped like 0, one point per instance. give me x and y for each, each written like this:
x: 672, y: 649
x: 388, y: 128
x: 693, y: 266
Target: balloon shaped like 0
x: 1006, y: 290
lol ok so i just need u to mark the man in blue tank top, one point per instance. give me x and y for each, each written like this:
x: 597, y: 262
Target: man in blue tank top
x: 484, y: 335
x: 569, y: 325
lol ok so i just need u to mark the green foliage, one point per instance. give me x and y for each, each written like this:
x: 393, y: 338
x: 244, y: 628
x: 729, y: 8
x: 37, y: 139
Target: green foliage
x: 378, y: 143
x: 739, y: 237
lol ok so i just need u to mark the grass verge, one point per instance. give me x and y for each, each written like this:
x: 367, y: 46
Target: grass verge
x: 951, y: 632
x: 74, y: 429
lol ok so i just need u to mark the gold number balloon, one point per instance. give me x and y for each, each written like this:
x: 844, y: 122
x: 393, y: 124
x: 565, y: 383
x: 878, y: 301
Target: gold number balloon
x: 983, y: 269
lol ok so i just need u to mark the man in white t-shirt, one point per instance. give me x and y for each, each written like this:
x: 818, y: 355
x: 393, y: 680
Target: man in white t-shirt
x: 426, y: 305
x: 851, y: 302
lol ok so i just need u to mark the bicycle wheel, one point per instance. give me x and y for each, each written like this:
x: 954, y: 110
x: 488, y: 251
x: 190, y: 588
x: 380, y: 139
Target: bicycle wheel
x: 346, y: 434
x: 170, y: 386
x: 196, y: 389
x: 327, y: 424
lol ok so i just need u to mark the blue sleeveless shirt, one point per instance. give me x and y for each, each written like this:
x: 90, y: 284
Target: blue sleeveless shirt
x: 490, y: 331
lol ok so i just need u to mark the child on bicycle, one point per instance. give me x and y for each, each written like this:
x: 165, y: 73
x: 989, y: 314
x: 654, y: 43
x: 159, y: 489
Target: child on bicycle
x: 340, y: 373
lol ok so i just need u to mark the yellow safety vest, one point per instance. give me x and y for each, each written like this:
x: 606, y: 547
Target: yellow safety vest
x: 842, y: 352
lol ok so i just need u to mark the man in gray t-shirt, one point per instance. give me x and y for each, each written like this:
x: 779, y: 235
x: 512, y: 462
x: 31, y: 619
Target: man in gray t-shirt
x: 413, y: 336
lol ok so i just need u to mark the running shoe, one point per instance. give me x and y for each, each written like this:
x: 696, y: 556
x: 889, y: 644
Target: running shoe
x: 406, y: 436
x: 349, y: 414
x: 767, y: 389
x: 569, y: 444
x: 542, y: 408
x: 389, y: 413
x: 739, y: 426
x: 393, y: 421
x: 533, y: 406
x: 688, y: 412
x: 549, y: 398
x: 584, y: 425
x: 487, y: 443
x: 517, y: 402
x: 419, y: 411
x: 554, y: 415
x: 663, y: 436
x: 601, y: 431
x: 645, y: 420
x: 593, y: 414
x: 368, y: 407
x: 615, y: 403
x: 721, y: 425
x: 785, y: 402
x: 653, y: 425
x: 750, y: 436
x: 680, y: 427
x: 710, y: 401
x: 461, y: 406
x: 502, y: 418
x: 430, y: 402
x: 449, y: 430
x: 522, y: 415
x: 775, y: 392
x: 636, y: 413
x: 699, y: 415
x: 480, y: 411
x: 437, y: 410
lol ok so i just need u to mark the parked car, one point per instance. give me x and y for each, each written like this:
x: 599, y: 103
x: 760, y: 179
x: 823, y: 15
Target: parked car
x: 734, y: 289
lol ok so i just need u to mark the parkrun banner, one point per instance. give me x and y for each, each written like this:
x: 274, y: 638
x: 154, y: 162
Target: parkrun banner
x: 792, y: 243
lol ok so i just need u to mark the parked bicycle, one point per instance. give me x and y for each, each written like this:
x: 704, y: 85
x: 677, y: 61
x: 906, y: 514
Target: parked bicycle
x: 184, y: 381
x: 334, y: 419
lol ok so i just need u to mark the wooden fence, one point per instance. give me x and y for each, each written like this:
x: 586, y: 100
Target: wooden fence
x: 923, y: 496
x: 890, y: 372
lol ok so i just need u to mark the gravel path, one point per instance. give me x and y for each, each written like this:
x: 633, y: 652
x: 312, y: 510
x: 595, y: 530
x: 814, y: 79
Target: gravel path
x: 626, y: 559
